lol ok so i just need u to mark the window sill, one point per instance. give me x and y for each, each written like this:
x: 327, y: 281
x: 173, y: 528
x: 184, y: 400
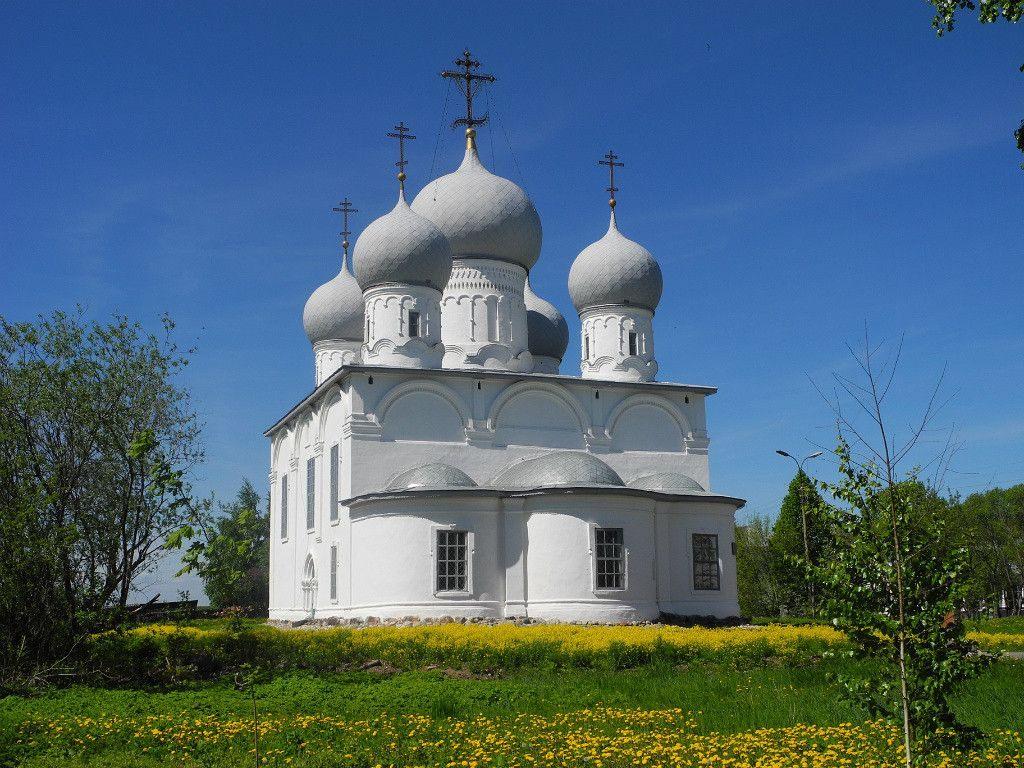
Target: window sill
x: 454, y: 593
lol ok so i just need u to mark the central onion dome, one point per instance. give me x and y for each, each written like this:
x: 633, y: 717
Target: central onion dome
x: 546, y: 329
x: 402, y: 247
x: 334, y: 311
x: 615, y: 271
x: 482, y: 215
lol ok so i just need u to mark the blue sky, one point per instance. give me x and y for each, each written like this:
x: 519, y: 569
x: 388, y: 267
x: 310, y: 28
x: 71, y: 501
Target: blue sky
x: 798, y: 169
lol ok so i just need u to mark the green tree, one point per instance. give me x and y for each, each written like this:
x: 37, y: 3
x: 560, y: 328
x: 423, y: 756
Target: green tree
x: 96, y: 439
x: 761, y: 592
x: 991, y: 526
x: 788, y: 545
x: 891, y: 581
x: 231, y: 551
x: 989, y: 11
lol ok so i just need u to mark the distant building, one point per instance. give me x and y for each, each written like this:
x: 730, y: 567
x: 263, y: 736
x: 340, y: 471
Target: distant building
x: 443, y: 465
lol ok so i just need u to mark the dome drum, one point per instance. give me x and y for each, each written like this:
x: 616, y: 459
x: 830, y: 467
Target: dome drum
x: 403, y: 326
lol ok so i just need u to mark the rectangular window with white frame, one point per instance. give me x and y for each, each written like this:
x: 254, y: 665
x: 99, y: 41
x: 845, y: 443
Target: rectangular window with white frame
x: 632, y: 343
x: 414, y: 324
x: 334, y: 572
x: 609, y: 559
x: 310, y: 493
x: 335, y: 490
x: 284, y: 506
x: 707, y: 576
x: 452, y: 561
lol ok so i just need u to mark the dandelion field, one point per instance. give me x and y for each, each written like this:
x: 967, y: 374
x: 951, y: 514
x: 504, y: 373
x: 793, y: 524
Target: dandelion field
x: 601, y: 698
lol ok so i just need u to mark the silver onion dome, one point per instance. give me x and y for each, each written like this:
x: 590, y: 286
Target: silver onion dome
x: 335, y: 310
x: 482, y: 215
x: 402, y: 247
x: 546, y: 329
x: 615, y: 271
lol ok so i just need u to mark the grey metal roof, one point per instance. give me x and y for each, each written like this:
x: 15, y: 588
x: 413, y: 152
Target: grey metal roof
x: 546, y: 329
x: 667, y: 482
x: 481, y: 214
x: 556, y: 468
x: 335, y: 310
x: 402, y: 247
x: 616, y: 271
x: 436, y: 475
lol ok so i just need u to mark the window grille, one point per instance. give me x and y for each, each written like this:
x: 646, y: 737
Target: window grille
x: 284, y: 506
x: 451, y: 561
x: 335, y: 492
x: 310, y: 493
x: 706, y: 574
x: 334, y: 572
x: 414, y: 324
x: 610, y: 556
x: 586, y: 348
x: 632, y: 343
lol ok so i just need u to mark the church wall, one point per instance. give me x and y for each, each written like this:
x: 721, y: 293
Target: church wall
x: 408, y: 418
x: 677, y: 522
x: 561, y: 576
x: 506, y: 419
x: 393, y: 558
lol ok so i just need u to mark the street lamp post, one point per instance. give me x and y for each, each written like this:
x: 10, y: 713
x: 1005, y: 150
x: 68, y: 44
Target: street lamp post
x: 803, y: 516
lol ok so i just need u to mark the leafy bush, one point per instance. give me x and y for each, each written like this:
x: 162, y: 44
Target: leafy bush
x: 172, y: 653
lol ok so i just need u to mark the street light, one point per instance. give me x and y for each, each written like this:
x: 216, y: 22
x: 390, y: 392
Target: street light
x: 803, y: 514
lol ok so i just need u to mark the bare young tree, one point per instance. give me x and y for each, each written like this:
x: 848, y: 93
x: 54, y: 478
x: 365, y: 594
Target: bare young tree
x: 891, y: 584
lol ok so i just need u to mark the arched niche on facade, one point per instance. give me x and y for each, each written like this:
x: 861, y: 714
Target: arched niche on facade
x: 644, y: 423
x: 532, y: 413
x: 422, y: 411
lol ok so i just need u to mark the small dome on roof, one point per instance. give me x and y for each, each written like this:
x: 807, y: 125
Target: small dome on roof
x: 434, y: 475
x: 667, y: 482
x: 546, y: 330
x: 557, y: 468
x: 402, y: 247
x: 335, y: 310
x: 615, y: 271
x: 482, y: 215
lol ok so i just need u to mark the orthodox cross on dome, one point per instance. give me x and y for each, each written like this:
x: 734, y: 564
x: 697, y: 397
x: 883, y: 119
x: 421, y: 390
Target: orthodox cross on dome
x: 344, y: 208
x: 469, y: 83
x: 610, y: 160
x: 401, y: 133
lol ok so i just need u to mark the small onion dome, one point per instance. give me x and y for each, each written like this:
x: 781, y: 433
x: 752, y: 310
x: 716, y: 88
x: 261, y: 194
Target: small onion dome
x: 402, y: 247
x: 668, y: 482
x: 335, y: 310
x: 431, y: 476
x: 616, y: 271
x: 546, y: 329
x: 570, y: 469
x: 482, y: 215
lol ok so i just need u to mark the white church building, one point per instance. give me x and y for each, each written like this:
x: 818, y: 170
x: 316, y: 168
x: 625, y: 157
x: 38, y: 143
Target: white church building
x: 445, y: 466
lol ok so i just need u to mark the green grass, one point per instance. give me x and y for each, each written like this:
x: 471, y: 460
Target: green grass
x: 722, y: 698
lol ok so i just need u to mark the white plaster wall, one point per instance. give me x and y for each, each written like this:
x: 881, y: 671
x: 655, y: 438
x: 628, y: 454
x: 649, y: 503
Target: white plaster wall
x: 604, y: 344
x: 560, y: 559
x: 393, y: 566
